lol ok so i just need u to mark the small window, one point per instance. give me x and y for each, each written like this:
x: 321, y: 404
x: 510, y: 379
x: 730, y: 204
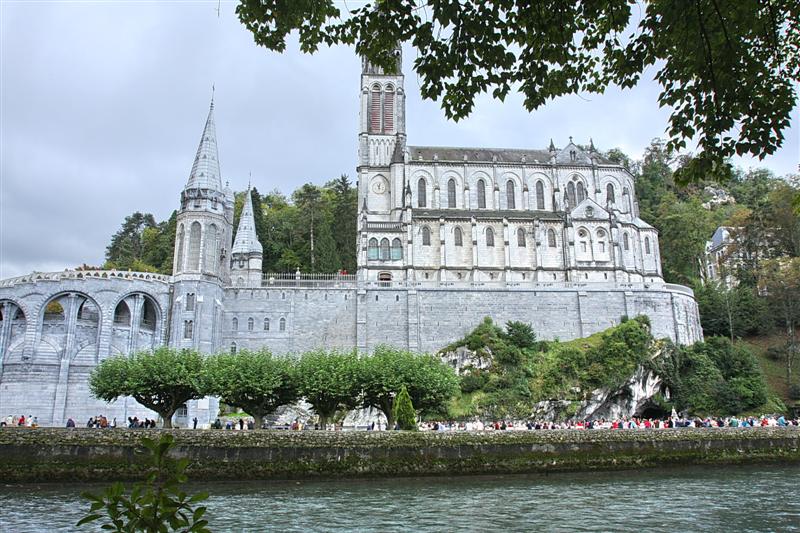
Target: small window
x: 571, y: 200
x: 583, y: 246
x: 610, y: 194
x: 266, y: 324
x: 451, y: 194
x: 551, y: 238
x: 233, y: 348
x: 397, y: 250
x: 510, y: 200
x: 481, y: 194
x: 539, y: 195
x: 188, y: 329
x: 190, y: 301
x: 250, y: 324
x: 458, y: 238
x: 372, y: 249
x: 647, y: 245
x: 581, y: 192
x: 422, y: 193
x: 385, y: 250
x: 602, y: 246
x: 521, y: 237
x: 489, y: 237
x: 426, y: 236
x: 625, y: 241
x: 282, y: 324
x: 601, y: 233
x: 235, y: 324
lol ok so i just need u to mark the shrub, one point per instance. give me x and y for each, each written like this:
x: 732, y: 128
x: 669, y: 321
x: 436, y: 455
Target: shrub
x: 794, y: 391
x: 404, y: 412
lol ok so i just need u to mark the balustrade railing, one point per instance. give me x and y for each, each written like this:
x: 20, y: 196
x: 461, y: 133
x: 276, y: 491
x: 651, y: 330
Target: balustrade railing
x: 85, y: 274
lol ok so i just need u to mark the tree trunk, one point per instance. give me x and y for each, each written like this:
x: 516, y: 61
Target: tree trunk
x: 387, y: 408
x: 258, y: 421
x: 323, y: 421
x: 167, y: 419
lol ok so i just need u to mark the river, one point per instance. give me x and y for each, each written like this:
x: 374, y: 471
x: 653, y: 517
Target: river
x: 719, y: 498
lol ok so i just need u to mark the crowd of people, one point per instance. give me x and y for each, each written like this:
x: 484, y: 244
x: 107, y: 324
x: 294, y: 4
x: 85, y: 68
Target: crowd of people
x: 619, y: 423
x: 20, y: 421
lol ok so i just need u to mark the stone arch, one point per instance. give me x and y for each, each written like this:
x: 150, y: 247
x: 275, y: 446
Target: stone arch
x: 122, y: 314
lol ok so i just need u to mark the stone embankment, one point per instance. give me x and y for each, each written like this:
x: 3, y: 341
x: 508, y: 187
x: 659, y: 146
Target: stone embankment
x: 28, y: 455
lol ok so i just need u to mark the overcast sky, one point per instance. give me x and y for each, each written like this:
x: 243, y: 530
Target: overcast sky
x: 103, y: 104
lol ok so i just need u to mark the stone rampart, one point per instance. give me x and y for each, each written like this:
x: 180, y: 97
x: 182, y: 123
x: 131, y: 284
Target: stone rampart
x: 103, y: 455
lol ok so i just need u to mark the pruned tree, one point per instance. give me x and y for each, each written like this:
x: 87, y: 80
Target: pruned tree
x: 162, y: 380
x: 330, y: 381
x: 256, y: 382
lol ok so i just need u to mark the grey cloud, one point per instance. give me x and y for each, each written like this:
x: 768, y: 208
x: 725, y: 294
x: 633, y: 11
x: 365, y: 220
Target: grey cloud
x: 103, y: 105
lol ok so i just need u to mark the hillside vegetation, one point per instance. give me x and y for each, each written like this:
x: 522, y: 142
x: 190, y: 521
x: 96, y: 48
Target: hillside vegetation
x: 509, y: 371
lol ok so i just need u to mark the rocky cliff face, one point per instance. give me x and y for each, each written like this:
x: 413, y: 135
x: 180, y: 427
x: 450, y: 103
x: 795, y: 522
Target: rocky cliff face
x: 630, y: 399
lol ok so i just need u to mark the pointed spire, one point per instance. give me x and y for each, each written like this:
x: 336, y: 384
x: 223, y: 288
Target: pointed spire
x: 205, y: 170
x: 552, y: 147
x: 246, y: 239
x: 591, y: 145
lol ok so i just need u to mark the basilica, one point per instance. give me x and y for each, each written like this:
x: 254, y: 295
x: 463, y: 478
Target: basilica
x: 446, y: 237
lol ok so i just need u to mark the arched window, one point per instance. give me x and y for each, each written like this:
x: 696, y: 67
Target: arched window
x: 194, y: 246
x: 250, y: 324
x: 388, y: 110
x: 179, y: 257
x: 266, y: 324
x: 233, y: 348
x: 235, y: 324
x: 282, y: 324
x: 458, y: 238
x: 190, y: 300
x: 520, y: 237
x: 539, y: 195
x: 581, y: 192
x: 375, y: 109
x: 625, y: 241
x: 610, y: 194
x: 210, y: 260
x: 372, y: 249
x: 481, y: 194
x: 510, y: 203
x: 489, y: 237
x: 551, y: 238
x: 188, y: 329
x: 451, y: 194
x: 647, y: 245
x: 422, y: 193
x: 571, y: 194
x: 426, y: 236
x: 397, y: 250
x: 385, y: 249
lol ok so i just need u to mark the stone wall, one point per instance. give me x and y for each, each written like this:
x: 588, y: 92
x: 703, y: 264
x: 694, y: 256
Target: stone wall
x: 104, y: 455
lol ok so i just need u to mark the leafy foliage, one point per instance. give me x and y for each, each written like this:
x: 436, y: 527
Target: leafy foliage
x: 256, y: 382
x: 714, y: 377
x: 157, y: 504
x: 726, y: 69
x: 330, y: 381
x: 162, y: 380
x: 404, y: 412
x: 143, y: 245
x: 426, y: 379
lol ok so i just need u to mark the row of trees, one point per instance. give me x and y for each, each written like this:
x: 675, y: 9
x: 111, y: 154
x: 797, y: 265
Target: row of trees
x: 314, y: 230
x: 333, y: 382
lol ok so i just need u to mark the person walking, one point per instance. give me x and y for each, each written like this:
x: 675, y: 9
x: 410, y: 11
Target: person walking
x: 194, y: 423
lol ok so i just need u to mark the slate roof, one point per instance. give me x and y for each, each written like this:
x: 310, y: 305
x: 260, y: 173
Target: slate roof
x: 205, y: 170
x: 488, y: 155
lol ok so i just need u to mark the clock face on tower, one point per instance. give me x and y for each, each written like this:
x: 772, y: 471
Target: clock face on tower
x: 379, y: 187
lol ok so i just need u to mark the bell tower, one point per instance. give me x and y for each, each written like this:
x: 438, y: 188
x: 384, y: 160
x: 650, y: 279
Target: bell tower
x: 202, y: 248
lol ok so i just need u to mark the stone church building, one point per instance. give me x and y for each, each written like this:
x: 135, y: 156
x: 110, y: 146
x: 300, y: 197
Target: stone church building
x: 446, y: 237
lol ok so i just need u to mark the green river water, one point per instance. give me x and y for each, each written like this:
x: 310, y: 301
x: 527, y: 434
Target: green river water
x: 720, y: 498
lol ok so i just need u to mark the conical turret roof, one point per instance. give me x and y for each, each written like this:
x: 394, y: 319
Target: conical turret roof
x: 246, y: 241
x: 205, y: 170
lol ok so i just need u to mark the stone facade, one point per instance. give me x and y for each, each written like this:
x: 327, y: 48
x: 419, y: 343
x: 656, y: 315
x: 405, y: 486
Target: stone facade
x: 447, y: 236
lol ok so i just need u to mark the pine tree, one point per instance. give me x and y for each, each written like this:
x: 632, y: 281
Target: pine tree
x: 404, y: 412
